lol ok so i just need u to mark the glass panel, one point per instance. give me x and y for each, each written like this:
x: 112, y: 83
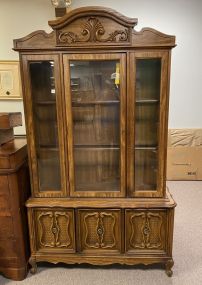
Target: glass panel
x: 148, y: 74
x: 96, y: 124
x: 45, y: 122
x: 148, y: 78
x: 145, y: 169
x: 96, y: 169
x: 147, y: 119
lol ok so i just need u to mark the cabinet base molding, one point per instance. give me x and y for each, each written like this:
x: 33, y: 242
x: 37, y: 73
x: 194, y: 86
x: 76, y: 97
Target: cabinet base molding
x: 101, y: 260
x: 16, y: 274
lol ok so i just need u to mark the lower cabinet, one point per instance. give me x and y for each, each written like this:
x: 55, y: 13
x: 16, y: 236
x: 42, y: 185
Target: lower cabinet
x: 55, y: 230
x: 102, y: 231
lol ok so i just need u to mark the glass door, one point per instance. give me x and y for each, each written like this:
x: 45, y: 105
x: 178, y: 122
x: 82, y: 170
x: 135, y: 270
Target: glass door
x: 95, y: 110
x: 44, y: 124
x: 147, y: 123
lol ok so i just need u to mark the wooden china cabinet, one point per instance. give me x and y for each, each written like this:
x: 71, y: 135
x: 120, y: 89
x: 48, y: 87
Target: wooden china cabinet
x: 96, y: 96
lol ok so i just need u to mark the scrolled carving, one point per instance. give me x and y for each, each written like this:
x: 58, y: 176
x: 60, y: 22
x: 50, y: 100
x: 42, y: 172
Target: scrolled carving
x: 93, y: 31
x: 146, y: 230
x: 46, y: 225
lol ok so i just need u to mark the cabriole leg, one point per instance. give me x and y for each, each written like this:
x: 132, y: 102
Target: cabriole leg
x: 169, y: 265
x: 33, y: 264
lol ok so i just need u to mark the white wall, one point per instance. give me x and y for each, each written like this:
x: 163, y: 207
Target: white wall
x: 182, y: 18
x: 17, y: 19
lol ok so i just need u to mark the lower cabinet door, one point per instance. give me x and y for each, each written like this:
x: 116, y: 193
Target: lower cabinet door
x: 146, y: 231
x: 54, y: 230
x: 99, y: 230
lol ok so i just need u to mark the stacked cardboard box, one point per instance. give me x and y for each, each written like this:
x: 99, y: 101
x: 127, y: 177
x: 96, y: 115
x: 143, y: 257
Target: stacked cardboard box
x: 184, y: 154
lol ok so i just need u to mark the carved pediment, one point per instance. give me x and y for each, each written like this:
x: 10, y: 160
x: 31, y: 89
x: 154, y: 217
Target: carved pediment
x: 89, y: 27
x: 93, y: 25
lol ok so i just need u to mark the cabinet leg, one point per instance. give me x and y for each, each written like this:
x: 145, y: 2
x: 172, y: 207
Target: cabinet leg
x: 33, y: 264
x: 169, y: 265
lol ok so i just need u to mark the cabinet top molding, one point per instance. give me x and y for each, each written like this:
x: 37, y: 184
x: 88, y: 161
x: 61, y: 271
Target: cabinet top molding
x: 94, y: 27
x: 95, y: 11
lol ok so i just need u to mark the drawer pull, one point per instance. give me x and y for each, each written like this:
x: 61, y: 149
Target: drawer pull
x: 100, y: 231
x: 146, y: 230
x: 54, y: 230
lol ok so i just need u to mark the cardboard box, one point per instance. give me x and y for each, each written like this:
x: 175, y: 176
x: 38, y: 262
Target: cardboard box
x: 184, y: 158
x: 10, y: 120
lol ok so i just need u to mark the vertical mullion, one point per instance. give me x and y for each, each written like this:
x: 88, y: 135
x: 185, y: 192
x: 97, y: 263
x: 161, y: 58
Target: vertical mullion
x: 163, y: 126
x: 130, y: 123
x: 122, y: 124
x: 66, y: 59
x: 60, y: 119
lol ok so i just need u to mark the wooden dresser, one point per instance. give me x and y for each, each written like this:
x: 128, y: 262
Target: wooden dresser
x: 14, y: 191
x: 96, y: 97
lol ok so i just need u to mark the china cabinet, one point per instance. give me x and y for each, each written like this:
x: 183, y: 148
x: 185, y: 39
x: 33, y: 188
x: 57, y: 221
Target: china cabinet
x: 96, y: 96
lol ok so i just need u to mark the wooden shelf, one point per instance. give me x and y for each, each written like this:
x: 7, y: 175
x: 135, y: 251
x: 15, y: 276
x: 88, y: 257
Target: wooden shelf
x: 146, y: 148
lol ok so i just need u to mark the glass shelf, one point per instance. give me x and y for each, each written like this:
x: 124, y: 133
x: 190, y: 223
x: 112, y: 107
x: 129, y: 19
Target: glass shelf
x: 96, y: 147
x: 76, y: 103
x: 155, y: 148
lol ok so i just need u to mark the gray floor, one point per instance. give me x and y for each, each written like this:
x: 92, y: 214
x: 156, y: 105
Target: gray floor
x: 187, y: 253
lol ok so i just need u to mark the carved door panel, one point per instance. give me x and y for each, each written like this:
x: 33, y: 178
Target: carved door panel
x: 146, y: 231
x: 100, y: 230
x: 55, y: 230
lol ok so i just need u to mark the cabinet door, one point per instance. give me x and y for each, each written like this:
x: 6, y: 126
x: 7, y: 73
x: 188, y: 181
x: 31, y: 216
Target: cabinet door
x: 95, y: 112
x: 54, y: 230
x: 146, y: 231
x: 147, y: 123
x: 43, y: 110
x: 99, y: 231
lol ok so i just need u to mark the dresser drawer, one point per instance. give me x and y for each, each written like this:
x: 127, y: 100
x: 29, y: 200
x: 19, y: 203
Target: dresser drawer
x: 9, y: 250
x: 6, y: 227
x: 146, y: 231
x: 54, y: 230
x: 99, y: 230
x: 5, y: 204
x: 4, y: 195
x: 4, y: 189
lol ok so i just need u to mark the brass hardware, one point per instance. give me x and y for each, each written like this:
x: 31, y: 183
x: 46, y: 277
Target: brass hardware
x: 54, y: 230
x: 100, y: 231
x: 146, y: 230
